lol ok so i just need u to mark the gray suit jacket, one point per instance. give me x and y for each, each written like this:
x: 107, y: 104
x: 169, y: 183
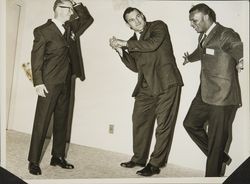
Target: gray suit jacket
x: 152, y: 57
x: 221, y: 52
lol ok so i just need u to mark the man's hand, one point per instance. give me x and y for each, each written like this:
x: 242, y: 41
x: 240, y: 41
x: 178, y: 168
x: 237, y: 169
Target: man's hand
x: 121, y: 43
x: 117, y: 43
x: 113, y: 43
x: 40, y: 89
x: 185, y: 58
x: 240, y: 65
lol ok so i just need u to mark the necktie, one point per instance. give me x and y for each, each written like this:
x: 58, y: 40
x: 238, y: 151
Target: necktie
x: 202, y: 40
x: 66, y: 32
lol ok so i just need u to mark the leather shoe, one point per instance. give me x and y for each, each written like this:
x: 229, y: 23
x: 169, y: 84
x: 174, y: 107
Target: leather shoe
x: 34, y: 169
x: 131, y: 164
x: 61, y: 162
x: 149, y: 170
x: 227, y: 159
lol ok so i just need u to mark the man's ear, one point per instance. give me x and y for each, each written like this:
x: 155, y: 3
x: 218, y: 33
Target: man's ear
x: 206, y: 17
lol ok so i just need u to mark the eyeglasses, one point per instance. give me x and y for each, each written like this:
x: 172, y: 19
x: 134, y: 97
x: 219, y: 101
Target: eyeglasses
x: 70, y: 8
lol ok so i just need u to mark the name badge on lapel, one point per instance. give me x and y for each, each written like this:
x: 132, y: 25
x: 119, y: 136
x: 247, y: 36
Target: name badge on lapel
x: 209, y: 51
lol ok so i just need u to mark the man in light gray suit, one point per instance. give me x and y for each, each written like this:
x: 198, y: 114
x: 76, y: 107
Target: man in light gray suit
x: 221, y: 53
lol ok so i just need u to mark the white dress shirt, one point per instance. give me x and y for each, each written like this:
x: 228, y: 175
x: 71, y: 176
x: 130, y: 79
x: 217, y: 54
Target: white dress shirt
x: 209, y: 30
x: 59, y: 25
x: 138, y: 35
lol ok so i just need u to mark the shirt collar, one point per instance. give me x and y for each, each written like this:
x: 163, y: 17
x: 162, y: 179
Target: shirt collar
x: 59, y: 25
x: 210, y: 28
x: 138, y: 35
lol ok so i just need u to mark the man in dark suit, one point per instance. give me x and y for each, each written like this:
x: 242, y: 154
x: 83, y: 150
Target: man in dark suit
x: 221, y: 51
x: 56, y: 61
x: 149, y: 52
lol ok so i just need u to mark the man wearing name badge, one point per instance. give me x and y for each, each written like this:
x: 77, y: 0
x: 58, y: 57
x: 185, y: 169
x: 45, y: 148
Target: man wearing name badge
x: 221, y: 53
x: 56, y: 61
x: 157, y: 94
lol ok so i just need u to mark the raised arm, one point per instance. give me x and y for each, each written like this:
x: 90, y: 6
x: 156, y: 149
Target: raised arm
x: 129, y: 61
x: 83, y: 20
x: 126, y: 58
x: 157, y: 36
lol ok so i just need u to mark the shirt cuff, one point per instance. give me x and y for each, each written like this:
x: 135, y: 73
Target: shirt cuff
x: 76, y: 4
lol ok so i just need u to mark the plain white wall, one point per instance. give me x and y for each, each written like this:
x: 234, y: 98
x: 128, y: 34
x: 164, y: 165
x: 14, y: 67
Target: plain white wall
x: 13, y: 11
x: 105, y: 96
x: 2, y: 83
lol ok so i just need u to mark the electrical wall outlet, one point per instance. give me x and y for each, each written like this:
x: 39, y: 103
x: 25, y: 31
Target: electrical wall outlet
x: 111, y: 128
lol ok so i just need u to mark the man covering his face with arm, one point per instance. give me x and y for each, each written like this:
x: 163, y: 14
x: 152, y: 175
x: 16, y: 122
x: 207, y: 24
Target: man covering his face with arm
x: 56, y: 61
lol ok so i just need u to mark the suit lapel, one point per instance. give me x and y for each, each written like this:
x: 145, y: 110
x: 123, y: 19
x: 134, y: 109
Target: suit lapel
x: 134, y: 54
x: 134, y: 37
x: 144, y: 31
x: 54, y: 28
x: 211, y: 34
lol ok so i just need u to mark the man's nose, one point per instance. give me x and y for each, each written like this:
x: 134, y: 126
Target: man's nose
x: 137, y: 22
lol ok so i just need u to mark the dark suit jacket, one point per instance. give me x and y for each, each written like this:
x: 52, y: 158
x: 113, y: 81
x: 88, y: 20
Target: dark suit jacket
x: 52, y: 53
x: 219, y: 56
x: 153, y: 58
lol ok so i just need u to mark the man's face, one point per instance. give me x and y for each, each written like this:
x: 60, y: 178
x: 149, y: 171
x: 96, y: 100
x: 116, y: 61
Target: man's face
x: 198, y: 21
x: 66, y: 10
x: 135, y: 21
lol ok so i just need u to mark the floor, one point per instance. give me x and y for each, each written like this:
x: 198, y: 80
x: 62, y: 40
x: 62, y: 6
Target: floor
x: 90, y: 163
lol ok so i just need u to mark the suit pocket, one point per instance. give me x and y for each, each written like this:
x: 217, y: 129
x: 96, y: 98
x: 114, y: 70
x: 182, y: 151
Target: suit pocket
x: 215, y: 88
x: 168, y: 75
x: 52, y: 47
x: 215, y: 74
x: 49, y: 68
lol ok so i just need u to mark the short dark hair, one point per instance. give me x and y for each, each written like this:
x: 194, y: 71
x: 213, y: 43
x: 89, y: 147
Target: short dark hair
x: 129, y: 10
x: 59, y: 2
x: 204, y: 9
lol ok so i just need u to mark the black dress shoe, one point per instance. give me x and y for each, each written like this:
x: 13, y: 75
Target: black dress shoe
x: 227, y: 159
x: 34, y: 169
x: 149, y: 170
x: 131, y: 164
x: 61, y: 162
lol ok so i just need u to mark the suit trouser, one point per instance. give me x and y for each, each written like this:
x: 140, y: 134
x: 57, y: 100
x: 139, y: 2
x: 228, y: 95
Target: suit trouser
x: 213, y: 141
x: 148, y: 108
x: 56, y: 102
